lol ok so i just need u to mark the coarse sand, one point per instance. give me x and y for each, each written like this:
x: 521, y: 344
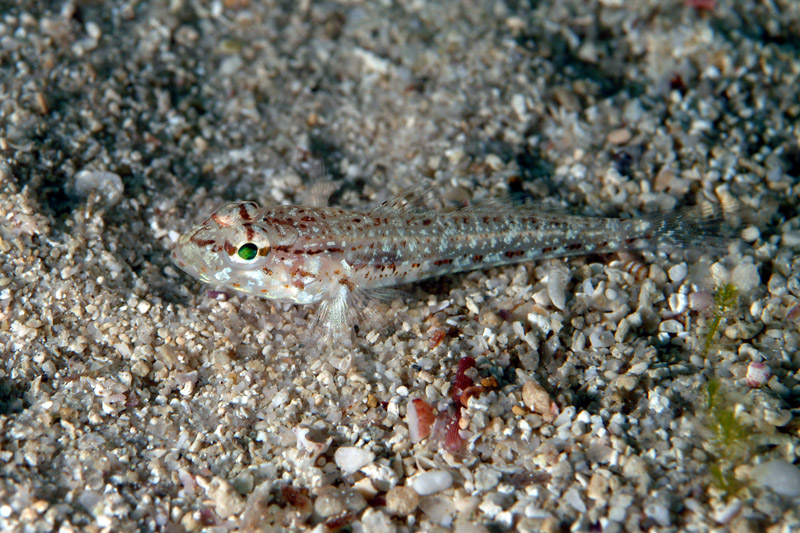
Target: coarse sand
x: 639, y: 391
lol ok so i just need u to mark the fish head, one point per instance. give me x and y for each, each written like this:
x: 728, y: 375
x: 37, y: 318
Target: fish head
x: 233, y: 249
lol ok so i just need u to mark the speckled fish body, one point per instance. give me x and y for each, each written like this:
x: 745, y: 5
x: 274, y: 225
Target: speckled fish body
x: 307, y: 255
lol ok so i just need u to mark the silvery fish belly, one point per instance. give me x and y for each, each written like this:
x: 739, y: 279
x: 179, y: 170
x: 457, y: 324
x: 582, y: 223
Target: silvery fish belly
x: 333, y: 257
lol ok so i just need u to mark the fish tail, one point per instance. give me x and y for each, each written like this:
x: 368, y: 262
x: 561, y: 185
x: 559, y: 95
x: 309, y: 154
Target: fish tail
x: 698, y: 226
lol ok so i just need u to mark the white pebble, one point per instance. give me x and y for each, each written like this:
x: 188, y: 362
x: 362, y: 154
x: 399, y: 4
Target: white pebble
x: 699, y: 301
x: 659, y: 512
x: 750, y: 234
x: 540, y: 322
x: 377, y: 521
x: 565, y: 417
x: 671, y: 326
x: 678, y: 302
x: 790, y: 239
x: 678, y: 272
x: 745, y: 277
x: 432, y: 482
x: 227, y: 502
x: 106, y: 185
x: 557, y: 280
x: 601, y: 339
x: 519, y: 106
x: 638, y: 369
x: 777, y: 417
x: 350, y: 459
x: 93, y: 30
x: 373, y: 62
x: 725, y: 513
x: 542, y: 298
x: 472, y: 306
x: 780, y: 475
x: 487, y: 478
x: 383, y: 478
x: 573, y: 498
x: 719, y: 273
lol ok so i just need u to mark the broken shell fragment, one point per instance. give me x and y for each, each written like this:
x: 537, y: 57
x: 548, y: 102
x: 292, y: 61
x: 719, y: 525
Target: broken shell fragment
x: 757, y: 374
x: 420, y: 419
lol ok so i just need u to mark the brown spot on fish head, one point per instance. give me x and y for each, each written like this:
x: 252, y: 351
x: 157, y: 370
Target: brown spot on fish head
x: 229, y: 248
x: 249, y: 231
x: 231, y: 214
x: 440, y: 262
x: 201, y: 242
x: 220, y: 220
x: 514, y: 253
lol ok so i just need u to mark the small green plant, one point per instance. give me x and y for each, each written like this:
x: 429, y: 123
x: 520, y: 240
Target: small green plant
x: 726, y: 296
x: 730, y: 438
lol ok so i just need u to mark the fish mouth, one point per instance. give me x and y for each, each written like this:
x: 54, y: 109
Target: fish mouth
x: 186, y: 256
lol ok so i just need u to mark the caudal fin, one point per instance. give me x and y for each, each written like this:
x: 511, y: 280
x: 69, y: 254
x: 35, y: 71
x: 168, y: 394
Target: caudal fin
x: 700, y: 226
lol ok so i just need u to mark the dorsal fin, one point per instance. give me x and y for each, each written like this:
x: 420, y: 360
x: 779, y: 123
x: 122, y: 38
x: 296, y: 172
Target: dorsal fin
x: 408, y: 200
x: 319, y: 192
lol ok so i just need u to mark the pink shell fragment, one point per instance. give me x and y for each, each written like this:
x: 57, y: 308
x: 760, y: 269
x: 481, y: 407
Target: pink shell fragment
x: 757, y: 374
x: 420, y: 419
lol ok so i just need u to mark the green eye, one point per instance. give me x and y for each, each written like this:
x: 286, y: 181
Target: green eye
x: 247, y: 251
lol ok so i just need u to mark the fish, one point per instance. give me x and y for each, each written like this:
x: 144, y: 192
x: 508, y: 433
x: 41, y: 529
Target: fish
x: 340, y: 258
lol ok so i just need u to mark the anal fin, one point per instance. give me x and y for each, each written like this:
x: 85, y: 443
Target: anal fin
x: 337, y: 315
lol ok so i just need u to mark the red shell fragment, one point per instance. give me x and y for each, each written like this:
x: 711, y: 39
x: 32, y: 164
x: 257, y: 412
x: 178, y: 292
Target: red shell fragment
x: 463, y: 381
x: 436, y: 338
x: 475, y: 390
x: 452, y: 438
x: 420, y: 419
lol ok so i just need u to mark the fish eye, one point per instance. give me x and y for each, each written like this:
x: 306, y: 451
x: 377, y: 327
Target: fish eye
x: 247, y: 252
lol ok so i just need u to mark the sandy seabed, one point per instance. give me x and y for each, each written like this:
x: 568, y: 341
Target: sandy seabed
x: 133, y: 399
